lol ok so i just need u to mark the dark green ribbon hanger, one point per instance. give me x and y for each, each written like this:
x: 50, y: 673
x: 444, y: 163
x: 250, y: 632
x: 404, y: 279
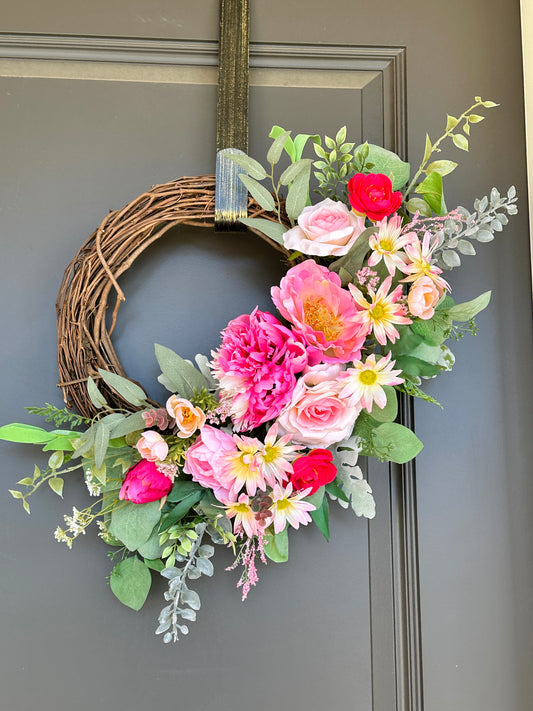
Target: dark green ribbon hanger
x: 231, y: 197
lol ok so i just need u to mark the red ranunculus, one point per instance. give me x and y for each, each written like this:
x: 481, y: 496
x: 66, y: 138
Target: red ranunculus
x: 313, y: 470
x: 144, y: 483
x: 371, y: 195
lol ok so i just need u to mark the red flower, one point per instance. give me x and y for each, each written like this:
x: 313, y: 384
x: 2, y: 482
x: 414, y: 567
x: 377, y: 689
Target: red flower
x: 144, y: 482
x: 371, y: 195
x: 313, y: 470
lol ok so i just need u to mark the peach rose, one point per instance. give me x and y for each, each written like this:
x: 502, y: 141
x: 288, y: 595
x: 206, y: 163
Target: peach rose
x: 188, y: 418
x: 423, y: 297
x: 326, y: 229
x: 318, y: 415
x: 152, y: 446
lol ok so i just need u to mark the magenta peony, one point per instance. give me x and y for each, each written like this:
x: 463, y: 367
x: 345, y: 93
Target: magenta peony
x: 256, y: 366
x: 321, y: 311
x: 144, y: 483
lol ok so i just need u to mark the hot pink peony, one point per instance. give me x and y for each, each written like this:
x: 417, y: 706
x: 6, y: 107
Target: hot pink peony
x: 326, y: 229
x: 205, y: 461
x: 321, y: 311
x: 256, y: 366
x: 144, y: 483
x: 319, y: 414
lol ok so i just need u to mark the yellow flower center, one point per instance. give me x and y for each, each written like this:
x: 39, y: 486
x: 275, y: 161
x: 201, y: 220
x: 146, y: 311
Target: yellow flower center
x: 386, y: 244
x: 320, y: 318
x: 186, y: 415
x: 283, y: 504
x: 368, y: 377
x: 241, y: 508
x: 377, y: 312
x: 270, y: 454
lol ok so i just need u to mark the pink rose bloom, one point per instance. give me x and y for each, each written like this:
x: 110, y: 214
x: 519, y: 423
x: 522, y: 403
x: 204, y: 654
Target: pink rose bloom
x: 256, y: 366
x: 144, y: 483
x: 318, y: 415
x: 152, y: 446
x: 205, y: 461
x: 423, y: 297
x: 326, y: 229
x: 321, y: 311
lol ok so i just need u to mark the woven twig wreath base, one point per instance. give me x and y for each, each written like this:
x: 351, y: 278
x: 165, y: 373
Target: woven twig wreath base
x: 83, y: 337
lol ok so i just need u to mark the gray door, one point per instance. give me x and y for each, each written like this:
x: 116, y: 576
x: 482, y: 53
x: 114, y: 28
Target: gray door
x: 94, y: 111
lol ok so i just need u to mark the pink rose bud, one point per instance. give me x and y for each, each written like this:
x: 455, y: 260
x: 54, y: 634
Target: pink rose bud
x: 144, y: 483
x: 188, y: 418
x: 423, y: 297
x: 152, y: 446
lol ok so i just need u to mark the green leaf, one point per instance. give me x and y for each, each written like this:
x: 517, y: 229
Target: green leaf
x: 489, y: 104
x: 353, y: 260
x: 418, y: 205
x: 358, y: 491
x: 390, y: 164
x: 321, y: 518
x: 466, y: 311
x: 406, y: 343
x: 27, y: 481
x: 277, y: 546
x: 259, y: 193
x: 133, y: 523
x: 131, y: 423
x: 451, y: 122
x: 130, y: 581
x: 416, y: 366
x: 56, y: 484
x: 101, y: 441
x: 428, y: 150
x: 442, y: 167
x: 290, y: 148
x: 435, y: 330
x: 299, y: 144
x: 56, y: 460
x: 61, y: 442
x: 276, y: 149
x: 131, y: 392
x: 389, y: 412
x: 460, y: 141
x: 156, y: 564
x: 179, y: 376
x: 298, y: 192
x: 26, y: 434
x: 401, y: 443
x: 294, y: 170
x: 16, y: 494
x: 271, y: 229
x: 151, y: 549
x: 334, y: 489
x: 317, y: 498
x: 180, y: 510
x: 431, y: 189
x: 95, y: 396
x: 250, y: 165
x: 181, y: 489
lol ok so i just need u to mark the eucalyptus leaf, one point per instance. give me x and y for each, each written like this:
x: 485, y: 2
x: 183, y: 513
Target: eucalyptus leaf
x: 390, y: 164
x: 180, y: 376
x: 298, y: 192
x: 131, y: 392
x: 133, y: 523
x: 101, y: 442
x: 294, y: 170
x: 271, y: 229
x: 277, y: 546
x: 389, y: 412
x: 130, y: 581
x: 469, y: 309
x: 416, y: 367
x: 289, y: 146
x: 401, y: 443
x: 131, y: 423
x: 276, y: 149
x: 250, y: 165
x: 95, y: 396
x: 151, y: 549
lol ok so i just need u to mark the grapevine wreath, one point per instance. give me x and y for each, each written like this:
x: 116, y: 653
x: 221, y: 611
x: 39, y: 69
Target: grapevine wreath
x: 261, y: 436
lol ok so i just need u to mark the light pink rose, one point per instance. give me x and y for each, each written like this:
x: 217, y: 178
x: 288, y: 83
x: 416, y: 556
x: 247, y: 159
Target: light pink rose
x: 318, y: 415
x: 423, y: 297
x: 205, y: 461
x: 326, y: 229
x: 323, y: 313
x: 152, y: 446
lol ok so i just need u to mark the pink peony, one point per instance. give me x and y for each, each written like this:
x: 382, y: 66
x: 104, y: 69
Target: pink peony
x: 205, y: 460
x: 423, y: 297
x: 144, y: 483
x: 188, y: 418
x: 321, y: 311
x: 326, y: 229
x: 256, y: 366
x: 151, y: 446
x: 318, y: 414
